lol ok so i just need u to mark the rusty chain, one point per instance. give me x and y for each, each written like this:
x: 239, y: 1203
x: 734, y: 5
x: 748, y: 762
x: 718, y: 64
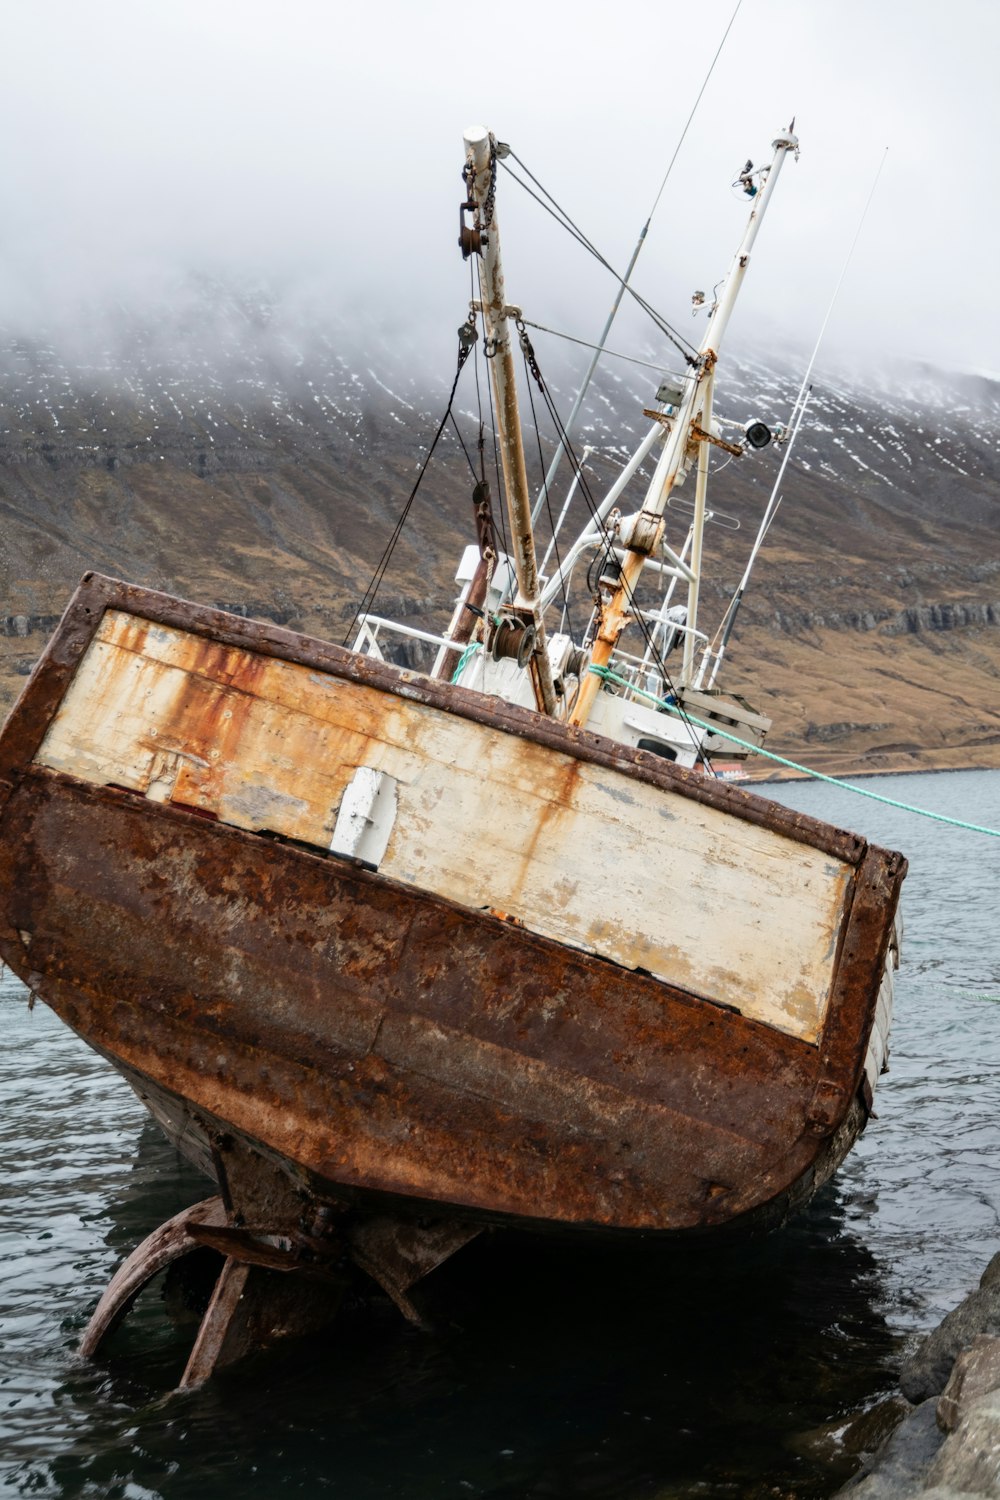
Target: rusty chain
x: 489, y: 201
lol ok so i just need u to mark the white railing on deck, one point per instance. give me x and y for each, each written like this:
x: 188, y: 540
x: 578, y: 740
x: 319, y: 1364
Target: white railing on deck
x: 638, y: 670
x: 366, y: 641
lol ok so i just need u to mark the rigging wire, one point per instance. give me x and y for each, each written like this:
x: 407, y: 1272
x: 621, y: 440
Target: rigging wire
x: 694, y: 108
x: 840, y: 279
x: 545, y: 492
x: 468, y: 459
x: 375, y: 583
x: 630, y: 359
x: 561, y: 216
x: 493, y: 425
x: 473, y: 273
x: 684, y: 346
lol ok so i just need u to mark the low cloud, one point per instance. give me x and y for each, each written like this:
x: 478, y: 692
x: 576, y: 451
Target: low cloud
x: 319, y: 155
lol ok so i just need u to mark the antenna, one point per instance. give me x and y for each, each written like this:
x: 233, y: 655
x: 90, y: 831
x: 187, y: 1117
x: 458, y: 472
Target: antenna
x: 794, y: 422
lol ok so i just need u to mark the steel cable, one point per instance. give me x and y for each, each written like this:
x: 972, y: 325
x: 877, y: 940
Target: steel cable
x: 375, y: 583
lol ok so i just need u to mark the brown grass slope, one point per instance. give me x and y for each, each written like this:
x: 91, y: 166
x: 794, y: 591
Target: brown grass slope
x: 871, y: 631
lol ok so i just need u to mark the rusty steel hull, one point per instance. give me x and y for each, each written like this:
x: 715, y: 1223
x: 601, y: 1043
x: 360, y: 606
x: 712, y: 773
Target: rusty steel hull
x: 381, y: 1043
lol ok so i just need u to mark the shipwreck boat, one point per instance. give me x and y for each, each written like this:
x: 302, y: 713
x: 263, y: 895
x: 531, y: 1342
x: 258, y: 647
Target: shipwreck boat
x: 396, y: 956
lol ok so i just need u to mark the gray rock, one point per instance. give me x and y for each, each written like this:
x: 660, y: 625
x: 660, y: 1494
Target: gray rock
x: 898, y: 1469
x: 969, y: 1459
x: 869, y: 1432
x: 992, y: 1273
x: 926, y: 1372
x: 975, y: 1373
x: 945, y: 1492
x: 841, y: 1449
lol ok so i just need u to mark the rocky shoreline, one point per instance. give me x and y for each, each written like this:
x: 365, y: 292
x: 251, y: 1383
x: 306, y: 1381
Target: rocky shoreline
x: 780, y: 776
x: 944, y: 1424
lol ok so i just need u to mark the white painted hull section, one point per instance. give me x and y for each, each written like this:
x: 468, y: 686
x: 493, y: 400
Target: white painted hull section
x: 730, y: 911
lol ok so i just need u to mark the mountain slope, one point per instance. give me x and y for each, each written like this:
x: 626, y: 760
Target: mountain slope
x: 265, y: 466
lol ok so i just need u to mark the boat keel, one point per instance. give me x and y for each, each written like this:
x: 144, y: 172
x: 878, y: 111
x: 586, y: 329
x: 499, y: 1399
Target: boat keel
x: 158, y: 1250
x: 286, y: 1259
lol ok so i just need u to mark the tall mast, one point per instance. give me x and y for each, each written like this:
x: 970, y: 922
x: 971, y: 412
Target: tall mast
x: 642, y: 534
x: 480, y: 153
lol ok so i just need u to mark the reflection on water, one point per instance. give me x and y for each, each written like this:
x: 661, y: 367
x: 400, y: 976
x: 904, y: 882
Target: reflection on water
x: 603, y: 1373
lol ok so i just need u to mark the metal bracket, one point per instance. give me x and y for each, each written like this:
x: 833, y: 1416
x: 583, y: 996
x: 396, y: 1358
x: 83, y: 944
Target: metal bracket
x: 366, y: 817
x: 736, y: 449
x: 827, y: 1107
x: 659, y: 416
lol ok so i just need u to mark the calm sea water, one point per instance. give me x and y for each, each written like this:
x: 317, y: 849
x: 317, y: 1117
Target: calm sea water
x: 613, y: 1375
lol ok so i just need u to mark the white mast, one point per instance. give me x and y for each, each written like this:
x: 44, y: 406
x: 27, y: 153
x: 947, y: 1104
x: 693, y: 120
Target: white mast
x: 718, y: 647
x: 642, y: 533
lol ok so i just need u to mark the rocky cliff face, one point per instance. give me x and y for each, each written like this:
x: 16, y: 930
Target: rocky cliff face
x: 264, y: 466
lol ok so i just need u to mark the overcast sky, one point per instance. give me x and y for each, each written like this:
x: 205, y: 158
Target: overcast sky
x: 319, y: 145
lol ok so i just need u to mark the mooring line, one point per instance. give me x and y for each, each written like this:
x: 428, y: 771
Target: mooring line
x: 792, y: 765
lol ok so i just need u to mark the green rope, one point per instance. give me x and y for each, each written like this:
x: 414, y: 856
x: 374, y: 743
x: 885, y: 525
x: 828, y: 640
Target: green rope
x: 463, y: 659
x: 792, y: 765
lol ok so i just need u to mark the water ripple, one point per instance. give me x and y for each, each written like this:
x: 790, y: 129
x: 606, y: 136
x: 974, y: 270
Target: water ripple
x: 606, y: 1374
